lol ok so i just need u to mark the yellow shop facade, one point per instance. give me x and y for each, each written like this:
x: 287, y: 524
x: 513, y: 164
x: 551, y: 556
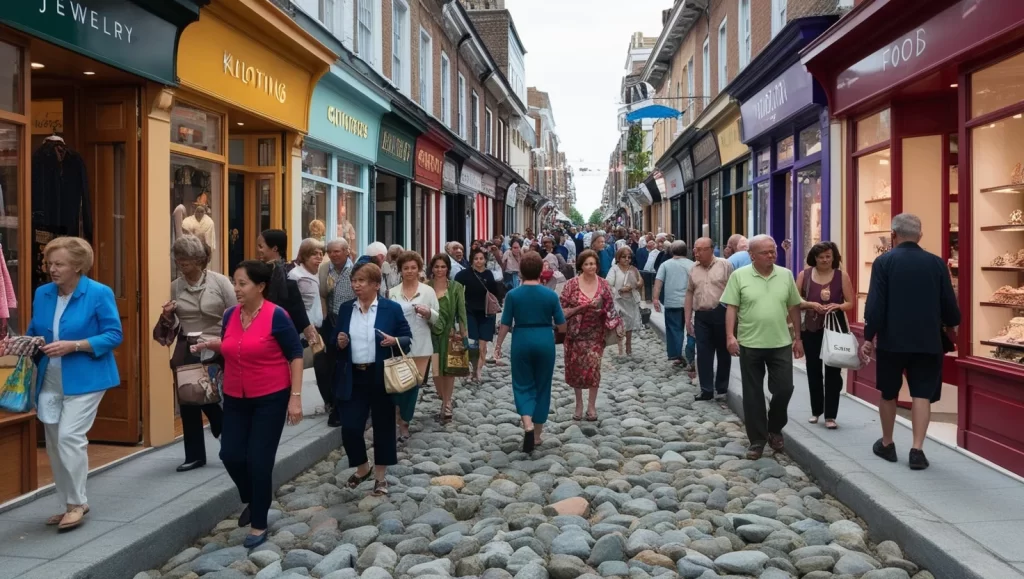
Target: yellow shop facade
x: 169, y: 107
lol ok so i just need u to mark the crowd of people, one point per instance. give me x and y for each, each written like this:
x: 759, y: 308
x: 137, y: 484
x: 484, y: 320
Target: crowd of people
x: 252, y: 335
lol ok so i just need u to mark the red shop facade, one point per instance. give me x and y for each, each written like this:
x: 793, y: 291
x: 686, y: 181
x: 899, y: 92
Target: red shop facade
x: 931, y: 94
x: 428, y: 180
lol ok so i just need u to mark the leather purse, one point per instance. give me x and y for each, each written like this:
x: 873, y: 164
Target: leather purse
x: 197, y: 384
x: 492, y: 306
x: 457, y: 362
x: 400, y: 373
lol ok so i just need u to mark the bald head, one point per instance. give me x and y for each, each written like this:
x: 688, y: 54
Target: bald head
x: 703, y: 250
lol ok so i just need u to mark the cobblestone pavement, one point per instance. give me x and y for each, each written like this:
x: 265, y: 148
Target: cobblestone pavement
x: 657, y: 488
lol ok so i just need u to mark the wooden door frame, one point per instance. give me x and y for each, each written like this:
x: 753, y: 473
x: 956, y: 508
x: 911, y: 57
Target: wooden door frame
x: 253, y: 172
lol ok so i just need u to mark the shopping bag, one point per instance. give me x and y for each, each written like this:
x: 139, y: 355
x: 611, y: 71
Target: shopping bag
x: 457, y: 362
x: 16, y: 392
x: 400, y: 373
x: 839, y: 349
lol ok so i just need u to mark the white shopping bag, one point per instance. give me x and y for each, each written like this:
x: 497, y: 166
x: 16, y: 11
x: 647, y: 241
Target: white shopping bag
x: 839, y: 349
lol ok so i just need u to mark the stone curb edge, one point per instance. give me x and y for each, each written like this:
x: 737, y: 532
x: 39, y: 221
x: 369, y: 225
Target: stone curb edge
x: 149, y: 542
x: 949, y: 553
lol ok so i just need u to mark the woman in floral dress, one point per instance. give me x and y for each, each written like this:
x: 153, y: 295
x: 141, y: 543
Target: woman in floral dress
x: 589, y: 308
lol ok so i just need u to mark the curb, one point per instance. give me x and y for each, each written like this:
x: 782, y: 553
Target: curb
x: 150, y: 541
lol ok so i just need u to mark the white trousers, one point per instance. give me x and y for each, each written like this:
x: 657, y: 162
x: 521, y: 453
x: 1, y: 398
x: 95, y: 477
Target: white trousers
x: 67, y: 447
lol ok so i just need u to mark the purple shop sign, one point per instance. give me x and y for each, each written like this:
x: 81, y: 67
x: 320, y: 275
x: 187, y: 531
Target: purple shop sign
x: 948, y: 34
x: 785, y: 96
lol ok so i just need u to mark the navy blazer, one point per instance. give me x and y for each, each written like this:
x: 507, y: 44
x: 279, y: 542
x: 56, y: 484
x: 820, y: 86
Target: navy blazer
x: 390, y: 320
x: 910, y: 299
x: 91, y: 316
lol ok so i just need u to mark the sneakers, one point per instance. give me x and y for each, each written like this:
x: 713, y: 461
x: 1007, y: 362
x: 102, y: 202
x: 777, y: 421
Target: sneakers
x: 886, y: 452
x: 917, y: 460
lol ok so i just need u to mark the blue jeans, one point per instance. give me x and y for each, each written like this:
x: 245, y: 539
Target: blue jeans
x: 690, y: 352
x: 674, y: 332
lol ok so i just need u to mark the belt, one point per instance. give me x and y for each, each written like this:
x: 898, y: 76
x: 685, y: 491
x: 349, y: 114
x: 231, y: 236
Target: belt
x: 517, y: 326
x: 362, y: 367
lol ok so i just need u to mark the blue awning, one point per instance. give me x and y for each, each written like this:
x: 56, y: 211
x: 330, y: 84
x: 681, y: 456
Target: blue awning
x: 653, y: 112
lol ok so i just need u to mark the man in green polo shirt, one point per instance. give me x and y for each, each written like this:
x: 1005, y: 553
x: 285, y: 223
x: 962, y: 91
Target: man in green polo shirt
x: 763, y: 297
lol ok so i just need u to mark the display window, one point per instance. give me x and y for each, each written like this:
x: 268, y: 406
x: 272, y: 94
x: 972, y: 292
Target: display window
x: 333, y: 188
x: 197, y: 178
x: 808, y: 182
x: 762, y: 193
x: 10, y: 154
x: 874, y: 216
x: 810, y: 141
x: 764, y: 162
x: 997, y: 217
x: 784, y: 153
x: 10, y: 78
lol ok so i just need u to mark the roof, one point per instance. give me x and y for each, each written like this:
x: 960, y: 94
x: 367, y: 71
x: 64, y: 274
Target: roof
x: 684, y: 15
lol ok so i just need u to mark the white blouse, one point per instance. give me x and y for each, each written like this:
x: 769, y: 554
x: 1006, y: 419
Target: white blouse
x: 422, y: 345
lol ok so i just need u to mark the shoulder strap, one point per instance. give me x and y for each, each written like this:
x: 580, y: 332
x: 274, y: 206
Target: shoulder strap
x: 806, y: 290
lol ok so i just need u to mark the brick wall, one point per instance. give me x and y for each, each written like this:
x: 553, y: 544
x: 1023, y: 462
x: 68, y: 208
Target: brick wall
x: 493, y: 27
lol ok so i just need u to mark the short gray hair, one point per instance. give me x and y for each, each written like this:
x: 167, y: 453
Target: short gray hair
x: 907, y: 226
x: 192, y: 248
x: 341, y: 242
x: 678, y: 248
x: 763, y: 238
x: 376, y: 249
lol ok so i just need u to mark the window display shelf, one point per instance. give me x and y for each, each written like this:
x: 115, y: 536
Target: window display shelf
x: 880, y: 200
x: 1018, y: 188
x: 998, y: 344
x: 876, y: 232
x: 1002, y: 228
x: 1002, y: 268
x: 999, y: 305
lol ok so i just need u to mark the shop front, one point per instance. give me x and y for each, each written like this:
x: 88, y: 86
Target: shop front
x: 505, y: 206
x: 729, y: 206
x: 70, y: 94
x: 471, y: 182
x: 673, y: 194
x: 344, y: 124
x: 650, y: 198
x: 932, y: 110
x: 707, y: 193
x: 454, y: 202
x: 485, y: 204
x: 511, y: 209
x: 684, y: 198
x: 428, y: 199
x: 786, y: 126
x: 393, y: 178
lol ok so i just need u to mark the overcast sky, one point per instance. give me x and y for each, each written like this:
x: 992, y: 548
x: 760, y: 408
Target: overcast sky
x: 576, y: 51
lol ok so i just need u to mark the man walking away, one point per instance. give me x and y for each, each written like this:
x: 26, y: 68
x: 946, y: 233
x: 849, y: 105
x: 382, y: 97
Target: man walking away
x: 705, y: 318
x: 738, y: 251
x: 762, y: 297
x: 910, y: 306
x: 335, y: 289
x: 674, y: 276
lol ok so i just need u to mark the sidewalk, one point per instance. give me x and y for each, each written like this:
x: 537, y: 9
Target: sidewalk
x: 960, y: 516
x: 143, y: 512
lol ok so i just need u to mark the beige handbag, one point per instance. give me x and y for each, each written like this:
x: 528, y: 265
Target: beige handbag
x: 400, y: 373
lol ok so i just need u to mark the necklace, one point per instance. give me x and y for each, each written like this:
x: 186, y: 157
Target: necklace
x: 252, y: 318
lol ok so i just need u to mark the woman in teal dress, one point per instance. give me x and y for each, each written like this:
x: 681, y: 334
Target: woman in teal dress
x: 535, y: 313
x: 451, y: 297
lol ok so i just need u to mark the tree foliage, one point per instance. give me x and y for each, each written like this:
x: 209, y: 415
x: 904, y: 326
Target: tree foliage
x: 637, y: 159
x: 576, y: 216
x: 596, y: 217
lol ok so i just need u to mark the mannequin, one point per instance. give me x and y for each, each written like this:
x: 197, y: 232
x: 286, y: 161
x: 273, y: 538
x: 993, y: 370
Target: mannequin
x: 201, y: 225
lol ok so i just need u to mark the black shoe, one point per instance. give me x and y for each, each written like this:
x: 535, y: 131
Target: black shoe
x: 334, y: 421
x: 886, y: 452
x: 703, y: 397
x: 187, y: 466
x: 245, y: 518
x: 917, y: 459
x: 528, y: 441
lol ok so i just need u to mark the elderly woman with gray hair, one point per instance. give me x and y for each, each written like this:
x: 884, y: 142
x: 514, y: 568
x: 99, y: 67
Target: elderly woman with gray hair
x: 199, y: 298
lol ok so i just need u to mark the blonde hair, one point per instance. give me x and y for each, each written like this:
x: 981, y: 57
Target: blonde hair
x: 78, y: 249
x: 308, y: 247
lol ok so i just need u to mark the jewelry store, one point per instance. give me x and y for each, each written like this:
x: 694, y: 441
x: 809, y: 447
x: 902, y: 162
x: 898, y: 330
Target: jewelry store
x: 394, y: 175
x: 344, y: 124
x: 932, y: 109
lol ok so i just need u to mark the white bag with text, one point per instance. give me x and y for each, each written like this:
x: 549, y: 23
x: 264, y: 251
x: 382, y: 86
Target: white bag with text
x: 839, y: 349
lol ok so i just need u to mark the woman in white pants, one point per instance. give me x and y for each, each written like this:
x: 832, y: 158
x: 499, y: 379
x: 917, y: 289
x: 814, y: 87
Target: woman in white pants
x: 78, y: 319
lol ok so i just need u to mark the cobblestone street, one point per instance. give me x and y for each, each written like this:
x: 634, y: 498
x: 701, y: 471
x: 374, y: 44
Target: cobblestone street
x: 657, y: 487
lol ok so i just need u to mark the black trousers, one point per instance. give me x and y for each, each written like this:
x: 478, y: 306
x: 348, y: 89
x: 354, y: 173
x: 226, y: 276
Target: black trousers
x: 709, y: 330
x: 369, y: 398
x: 192, y: 428
x: 825, y: 383
x: 248, y: 447
x: 779, y: 364
x: 323, y: 365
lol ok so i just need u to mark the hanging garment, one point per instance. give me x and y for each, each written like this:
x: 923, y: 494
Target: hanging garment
x: 8, y: 295
x: 60, y: 191
x: 201, y: 229
x: 177, y: 216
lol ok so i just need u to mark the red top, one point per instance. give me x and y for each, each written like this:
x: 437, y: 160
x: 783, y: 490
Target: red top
x: 256, y: 360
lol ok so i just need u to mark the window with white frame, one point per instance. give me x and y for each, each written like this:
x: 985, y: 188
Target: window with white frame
x: 779, y: 18
x: 723, y: 56
x: 446, y: 91
x: 365, y: 30
x: 743, y: 33
x: 706, y: 70
x: 400, y: 45
x: 488, y: 132
x: 426, y: 74
x: 689, y: 88
x: 474, y: 118
x: 462, y: 106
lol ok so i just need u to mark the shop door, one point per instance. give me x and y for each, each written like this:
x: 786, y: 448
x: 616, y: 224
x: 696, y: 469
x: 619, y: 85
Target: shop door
x: 110, y: 146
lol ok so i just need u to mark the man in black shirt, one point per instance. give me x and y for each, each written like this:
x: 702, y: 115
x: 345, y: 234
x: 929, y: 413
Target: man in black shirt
x: 910, y: 306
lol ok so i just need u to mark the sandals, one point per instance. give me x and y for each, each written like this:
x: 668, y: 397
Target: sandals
x: 446, y: 413
x: 355, y: 480
x: 56, y: 519
x: 831, y: 424
x: 380, y: 488
x: 591, y: 417
x: 402, y: 439
x: 577, y: 417
x: 73, y: 518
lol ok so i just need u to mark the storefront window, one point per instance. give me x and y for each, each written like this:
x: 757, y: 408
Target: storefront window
x: 764, y: 162
x: 10, y: 78
x: 998, y: 288
x: 348, y: 215
x: 350, y: 173
x: 196, y: 188
x: 10, y: 146
x: 763, y: 207
x: 193, y: 127
x: 316, y: 163
x: 314, y: 209
x: 808, y: 181
x: 998, y: 86
x: 875, y: 216
x: 716, y: 210
x: 331, y: 194
x: 873, y: 130
x: 784, y: 152
x: 810, y: 141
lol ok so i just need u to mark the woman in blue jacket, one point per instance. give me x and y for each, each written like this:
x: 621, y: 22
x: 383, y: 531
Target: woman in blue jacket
x: 78, y: 319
